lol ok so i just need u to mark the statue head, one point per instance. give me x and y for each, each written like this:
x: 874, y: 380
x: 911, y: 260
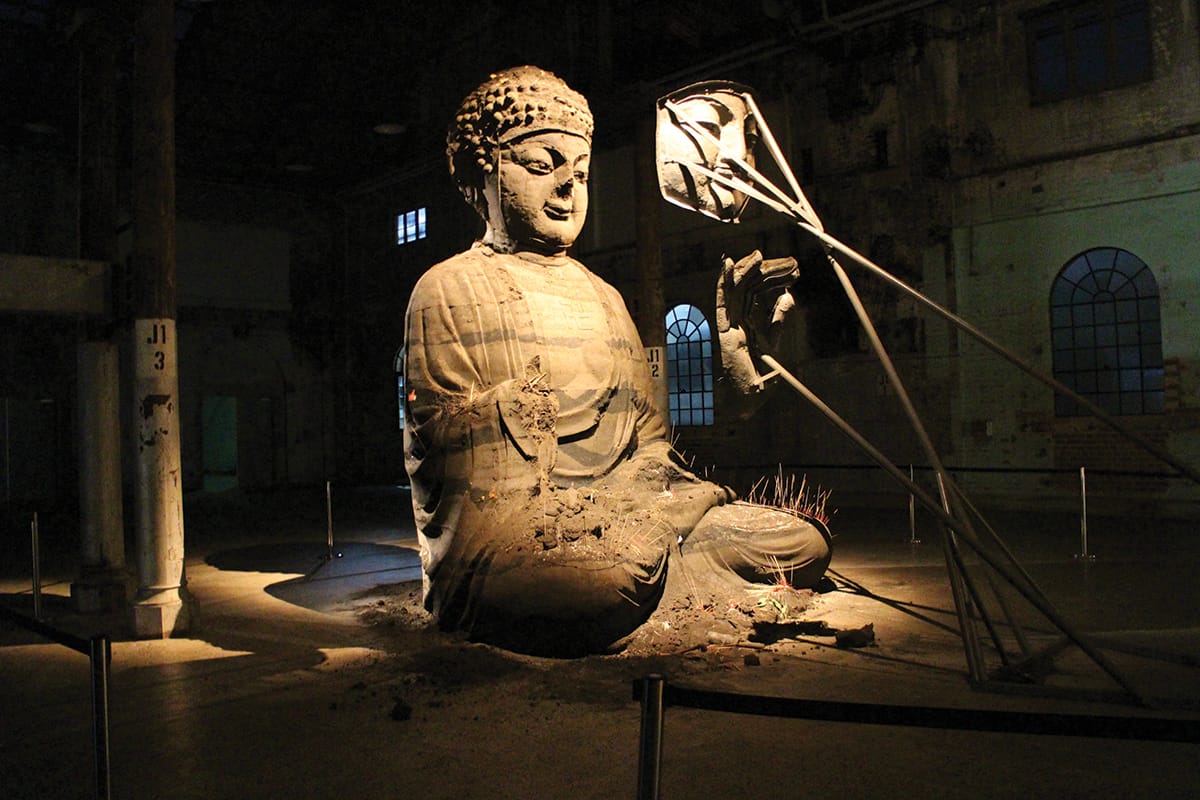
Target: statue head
x: 519, y: 149
x: 720, y: 109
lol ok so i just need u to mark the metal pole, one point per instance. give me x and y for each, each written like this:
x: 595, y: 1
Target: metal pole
x: 650, y: 741
x: 1009, y: 570
x: 7, y: 459
x: 329, y: 519
x: 37, y: 569
x: 1083, y: 555
x: 101, y: 654
x: 912, y: 511
x: 1002, y: 351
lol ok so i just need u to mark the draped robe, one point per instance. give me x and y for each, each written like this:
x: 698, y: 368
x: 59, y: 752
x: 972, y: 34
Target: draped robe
x: 488, y: 337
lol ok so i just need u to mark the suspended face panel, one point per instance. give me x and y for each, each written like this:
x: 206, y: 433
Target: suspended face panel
x: 703, y: 130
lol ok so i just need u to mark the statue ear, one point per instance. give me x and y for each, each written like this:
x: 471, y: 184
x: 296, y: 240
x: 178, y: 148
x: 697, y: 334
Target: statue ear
x: 474, y: 197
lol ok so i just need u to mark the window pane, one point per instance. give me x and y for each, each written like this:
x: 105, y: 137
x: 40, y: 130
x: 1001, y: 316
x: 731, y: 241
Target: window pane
x: 1090, y: 52
x: 1131, y: 28
x: 1050, y: 60
x: 689, y: 364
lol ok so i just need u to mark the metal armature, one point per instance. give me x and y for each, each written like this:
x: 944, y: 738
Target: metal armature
x: 702, y: 166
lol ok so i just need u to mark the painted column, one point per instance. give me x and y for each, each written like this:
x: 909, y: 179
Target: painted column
x: 161, y: 607
x: 104, y: 581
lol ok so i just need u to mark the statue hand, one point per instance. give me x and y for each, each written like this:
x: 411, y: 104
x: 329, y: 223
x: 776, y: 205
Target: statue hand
x: 529, y: 410
x: 753, y: 299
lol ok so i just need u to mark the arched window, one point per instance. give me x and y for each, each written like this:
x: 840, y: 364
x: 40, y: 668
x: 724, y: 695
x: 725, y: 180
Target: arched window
x: 1107, y: 333
x: 689, y: 365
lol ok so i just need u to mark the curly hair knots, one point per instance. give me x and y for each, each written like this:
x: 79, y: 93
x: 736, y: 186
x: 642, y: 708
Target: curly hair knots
x: 510, y: 103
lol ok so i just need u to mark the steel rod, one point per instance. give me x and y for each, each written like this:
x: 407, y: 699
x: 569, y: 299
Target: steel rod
x: 962, y: 589
x: 1003, y: 352
x: 912, y: 511
x: 799, y: 210
x: 100, y: 655
x: 329, y: 518
x: 1030, y: 592
x: 650, y: 741
x: 37, y: 567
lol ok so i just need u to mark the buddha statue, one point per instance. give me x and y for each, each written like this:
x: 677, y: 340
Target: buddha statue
x: 549, y: 503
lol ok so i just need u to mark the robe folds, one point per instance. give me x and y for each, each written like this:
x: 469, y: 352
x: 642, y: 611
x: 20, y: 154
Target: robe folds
x: 544, y: 489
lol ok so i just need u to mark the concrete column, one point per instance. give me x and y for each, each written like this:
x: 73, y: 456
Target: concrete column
x: 652, y: 310
x: 104, y: 581
x: 161, y: 606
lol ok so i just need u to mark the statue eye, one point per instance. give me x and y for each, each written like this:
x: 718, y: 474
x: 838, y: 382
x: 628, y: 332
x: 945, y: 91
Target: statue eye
x: 581, y: 176
x: 538, y: 166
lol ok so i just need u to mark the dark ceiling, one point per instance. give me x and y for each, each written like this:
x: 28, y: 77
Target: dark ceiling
x: 290, y: 94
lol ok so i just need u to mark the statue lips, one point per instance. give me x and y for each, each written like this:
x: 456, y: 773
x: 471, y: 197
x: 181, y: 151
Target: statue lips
x: 559, y: 213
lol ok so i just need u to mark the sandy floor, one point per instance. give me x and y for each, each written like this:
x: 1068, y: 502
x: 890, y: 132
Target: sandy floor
x: 310, y: 678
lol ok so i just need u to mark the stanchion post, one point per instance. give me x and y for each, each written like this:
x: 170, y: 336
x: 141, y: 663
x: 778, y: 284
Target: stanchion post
x: 650, y: 740
x: 912, y: 510
x: 329, y: 518
x: 100, y: 654
x: 37, y: 568
x: 1083, y: 554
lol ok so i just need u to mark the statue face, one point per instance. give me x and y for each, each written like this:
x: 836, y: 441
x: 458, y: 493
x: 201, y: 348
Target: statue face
x: 727, y: 119
x: 537, y: 199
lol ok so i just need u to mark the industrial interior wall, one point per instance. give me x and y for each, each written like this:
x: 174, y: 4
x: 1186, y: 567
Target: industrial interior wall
x: 1016, y: 232
x: 1037, y: 184
x: 252, y: 395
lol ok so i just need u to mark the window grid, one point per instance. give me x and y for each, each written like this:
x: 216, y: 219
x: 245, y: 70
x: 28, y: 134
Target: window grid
x: 410, y: 226
x: 1083, y: 47
x: 1106, y: 332
x: 689, y: 366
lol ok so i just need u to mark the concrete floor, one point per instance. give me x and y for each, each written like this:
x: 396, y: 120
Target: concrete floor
x: 281, y: 691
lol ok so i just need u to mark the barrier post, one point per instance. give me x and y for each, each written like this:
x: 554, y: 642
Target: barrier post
x: 912, y: 511
x: 329, y: 519
x: 100, y: 653
x: 37, y: 568
x: 1083, y: 554
x: 650, y: 740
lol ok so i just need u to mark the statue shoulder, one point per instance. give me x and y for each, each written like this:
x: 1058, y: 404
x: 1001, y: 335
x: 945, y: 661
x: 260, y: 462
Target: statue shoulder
x: 458, y: 268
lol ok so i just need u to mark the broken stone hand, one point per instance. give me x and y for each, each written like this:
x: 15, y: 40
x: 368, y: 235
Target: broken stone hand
x: 754, y: 298
x: 528, y: 412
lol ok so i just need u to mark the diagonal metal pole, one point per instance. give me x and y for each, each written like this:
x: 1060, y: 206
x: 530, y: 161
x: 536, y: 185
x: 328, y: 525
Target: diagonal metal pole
x: 953, y: 560
x: 800, y: 210
x: 950, y: 512
x: 1002, y: 351
x: 1014, y: 578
